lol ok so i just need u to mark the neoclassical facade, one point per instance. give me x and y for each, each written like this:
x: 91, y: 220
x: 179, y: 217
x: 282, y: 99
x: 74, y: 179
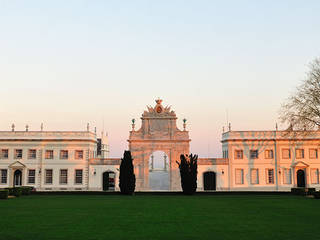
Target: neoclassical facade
x: 79, y: 160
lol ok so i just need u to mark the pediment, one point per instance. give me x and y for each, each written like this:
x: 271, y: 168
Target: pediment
x: 300, y: 164
x: 16, y: 164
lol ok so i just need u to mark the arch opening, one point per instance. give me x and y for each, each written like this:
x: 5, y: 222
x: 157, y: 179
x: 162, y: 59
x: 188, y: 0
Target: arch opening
x: 159, y: 171
x: 209, y: 180
x: 17, y: 179
x: 301, y: 181
x: 108, y: 181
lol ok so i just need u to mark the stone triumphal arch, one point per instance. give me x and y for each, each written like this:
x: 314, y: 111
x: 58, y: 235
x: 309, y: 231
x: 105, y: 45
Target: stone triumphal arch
x: 158, y: 132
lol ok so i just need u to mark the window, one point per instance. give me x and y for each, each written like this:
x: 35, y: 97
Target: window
x: 315, y: 176
x: 48, y: 177
x: 299, y: 153
x: 78, y: 176
x: 31, y: 176
x: 79, y: 154
x: 225, y: 154
x: 4, y: 174
x: 32, y: 154
x: 313, y: 153
x: 4, y: 153
x: 238, y: 154
x: 254, y: 176
x: 270, y: 176
x: 64, y: 154
x: 49, y: 154
x: 268, y: 154
x: 239, y: 176
x: 287, y: 176
x: 286, y: 153
x: 254, y: 154
x: 18, y: 153
x: 63, y: 176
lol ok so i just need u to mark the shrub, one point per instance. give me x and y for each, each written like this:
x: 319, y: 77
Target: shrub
x: 26, y: 190
x: 4, y: 193
x: 15, y: 191
x: 303, y: 191
x: 188, y: 172
x: 316, y: 194
x: 127, y: 179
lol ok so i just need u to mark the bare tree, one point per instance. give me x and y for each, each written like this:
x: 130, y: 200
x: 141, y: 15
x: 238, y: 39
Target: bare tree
x: 302, y: 109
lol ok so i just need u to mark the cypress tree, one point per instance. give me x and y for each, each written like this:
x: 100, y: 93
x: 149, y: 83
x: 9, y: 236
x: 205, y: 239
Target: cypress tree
x: 127, y: 179
x: 188, y: 172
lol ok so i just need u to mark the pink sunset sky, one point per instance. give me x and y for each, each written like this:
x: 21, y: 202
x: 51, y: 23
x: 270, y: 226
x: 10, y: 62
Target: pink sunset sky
x: 66, y: 64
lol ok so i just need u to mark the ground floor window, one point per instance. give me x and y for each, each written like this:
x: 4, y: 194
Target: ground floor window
x: 239, y: 176
x: 63, y: 176
x: 48, y: 176
x: 270, y: 176
x: 31, y: 176
x: 78, y: 176
x: 254, y: 176
x: 287, y: 176
x: 315, y: 176
x: 4, y: 176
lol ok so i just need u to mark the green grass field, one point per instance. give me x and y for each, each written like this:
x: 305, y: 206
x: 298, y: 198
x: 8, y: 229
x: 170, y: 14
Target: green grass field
x: 159, y: 217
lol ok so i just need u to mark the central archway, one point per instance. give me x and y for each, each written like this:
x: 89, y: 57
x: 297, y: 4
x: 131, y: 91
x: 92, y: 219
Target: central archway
x: 301, y: 182
x: 159, y: 178
x: 158, y: 132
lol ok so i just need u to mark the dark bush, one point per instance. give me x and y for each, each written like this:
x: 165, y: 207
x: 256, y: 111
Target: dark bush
x: 188, y: 172
x: 4, y: 193
x: 303, y: 191
x: 316, y: 194
x: 15, y: 191
x: 26, y: 190
x: 127, y: 179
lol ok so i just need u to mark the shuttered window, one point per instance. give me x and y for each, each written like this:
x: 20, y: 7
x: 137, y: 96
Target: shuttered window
x: 239, y: 176
x: 254, y: 176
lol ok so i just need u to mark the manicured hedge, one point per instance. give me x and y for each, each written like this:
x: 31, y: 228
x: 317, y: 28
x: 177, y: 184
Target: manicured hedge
x: 26, y: 190
x: 316, y: 194
x: 303, y: 191
x: 4, y: 193
x: 15, y: 191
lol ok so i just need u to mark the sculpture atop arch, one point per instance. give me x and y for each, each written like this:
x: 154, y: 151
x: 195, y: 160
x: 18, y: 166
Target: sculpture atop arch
x: 158, y: 132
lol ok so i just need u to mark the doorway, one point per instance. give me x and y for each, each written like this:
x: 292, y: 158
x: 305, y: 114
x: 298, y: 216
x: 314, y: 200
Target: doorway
x: 209, y: 181
x: 108, y: 181
x: 301, y: 180
x: 17, y: 178
x: 159, y: 171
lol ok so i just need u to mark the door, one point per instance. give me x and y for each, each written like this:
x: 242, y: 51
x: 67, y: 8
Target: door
x: 301, y: 180
x: 17, y: 178
x: 209, y: 181
x: 108, y: 181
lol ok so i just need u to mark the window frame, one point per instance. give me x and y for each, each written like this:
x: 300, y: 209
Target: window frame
x: 302, y: 151
x: 257, y: 176
x: 34, y: 177
x: 316, y: 151
x: 282, y: 153
x: 2, y: 156
x: 236, y: 154
x: 47, y: 151
x: 317, y: 175
x: 76, y: 177
x: 61, y: 177
x: 268, y: 176
x: 242, y: 176
x: 285, y: 170
x: 76, y: 156
x: 266, y: 156
x: 254, y: 151
x: 31, y: 156
x: 6, y: 176
x: 62, y: 156
x: 16, y: 153
x: 46, y: 176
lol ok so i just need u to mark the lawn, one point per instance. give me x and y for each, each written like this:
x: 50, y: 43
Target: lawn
x: 159, y: 217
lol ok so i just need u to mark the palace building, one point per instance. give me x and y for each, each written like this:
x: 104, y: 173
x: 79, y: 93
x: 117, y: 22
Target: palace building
x: 79, y: 160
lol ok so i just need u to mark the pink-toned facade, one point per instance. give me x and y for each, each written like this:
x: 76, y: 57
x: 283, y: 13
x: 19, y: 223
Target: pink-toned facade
x: 252, y: 160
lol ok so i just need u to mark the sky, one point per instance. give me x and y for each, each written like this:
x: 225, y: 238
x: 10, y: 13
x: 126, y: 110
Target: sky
x: 69, y: 63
